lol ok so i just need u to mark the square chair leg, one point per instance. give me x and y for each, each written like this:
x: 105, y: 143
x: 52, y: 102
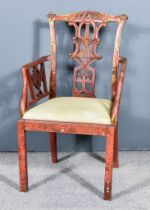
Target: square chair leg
x: 53, y: 145
x: 22, y: 150
x: 115, y: 158
x: 109, y: 163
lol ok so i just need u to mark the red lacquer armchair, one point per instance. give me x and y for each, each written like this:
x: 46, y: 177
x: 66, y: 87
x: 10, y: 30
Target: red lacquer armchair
x: 82, y: 113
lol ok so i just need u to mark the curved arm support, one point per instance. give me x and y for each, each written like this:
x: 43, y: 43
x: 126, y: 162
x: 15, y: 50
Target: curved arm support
x: 116, y: 104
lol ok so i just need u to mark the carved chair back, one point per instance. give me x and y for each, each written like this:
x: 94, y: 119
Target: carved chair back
x: 85, y: 49
x: 85, y: 54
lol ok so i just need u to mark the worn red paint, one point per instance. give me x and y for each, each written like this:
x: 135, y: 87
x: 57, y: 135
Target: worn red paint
x: 34, y: 77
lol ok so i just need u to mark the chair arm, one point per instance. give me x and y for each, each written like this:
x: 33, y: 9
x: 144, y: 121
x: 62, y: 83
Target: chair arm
x: 37, y: 62
x: 116, y: 104
x: 33, y: 75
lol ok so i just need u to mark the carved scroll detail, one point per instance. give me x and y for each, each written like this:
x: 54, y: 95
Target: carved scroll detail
x: 85, y: 15
x: 51, y: 16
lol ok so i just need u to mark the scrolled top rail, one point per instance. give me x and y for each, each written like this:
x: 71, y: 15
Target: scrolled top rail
x: 87, y: 15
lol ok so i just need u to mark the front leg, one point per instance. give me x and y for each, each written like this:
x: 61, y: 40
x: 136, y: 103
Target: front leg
x: 109, y: 163
x: 22, y: 150
x: 115, y: 158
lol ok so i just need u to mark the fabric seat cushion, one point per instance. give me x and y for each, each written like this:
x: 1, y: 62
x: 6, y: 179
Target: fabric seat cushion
x: 72, y: 109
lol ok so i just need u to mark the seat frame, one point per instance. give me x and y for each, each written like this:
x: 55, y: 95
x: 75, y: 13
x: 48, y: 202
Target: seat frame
x: 38, y: 79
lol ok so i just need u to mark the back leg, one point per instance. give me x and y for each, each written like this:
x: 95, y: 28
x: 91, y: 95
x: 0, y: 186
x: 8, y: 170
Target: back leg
x: 53, y: 146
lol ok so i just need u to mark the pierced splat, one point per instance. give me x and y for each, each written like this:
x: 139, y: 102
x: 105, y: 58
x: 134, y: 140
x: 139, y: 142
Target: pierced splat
x: 38, y: 84
x: 37, y: 77
x: 86, y: 42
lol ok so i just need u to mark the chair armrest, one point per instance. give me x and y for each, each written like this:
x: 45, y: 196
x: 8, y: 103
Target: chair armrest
x: 116, y: 104
x: 37, y: 62
x: 34, y: 83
